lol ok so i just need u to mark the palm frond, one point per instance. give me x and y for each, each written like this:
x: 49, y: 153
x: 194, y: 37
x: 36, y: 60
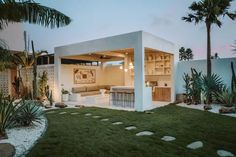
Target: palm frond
x: 31, y: 12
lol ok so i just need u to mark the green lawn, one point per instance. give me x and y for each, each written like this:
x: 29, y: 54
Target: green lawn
x: 77, y: 135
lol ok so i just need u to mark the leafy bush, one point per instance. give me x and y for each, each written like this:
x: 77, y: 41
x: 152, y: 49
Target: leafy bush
x: 30, y: 113
x: 8, y: 112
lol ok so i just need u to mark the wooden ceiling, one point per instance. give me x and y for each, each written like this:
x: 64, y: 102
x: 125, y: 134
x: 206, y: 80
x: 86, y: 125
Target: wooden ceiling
x: 106, y: 56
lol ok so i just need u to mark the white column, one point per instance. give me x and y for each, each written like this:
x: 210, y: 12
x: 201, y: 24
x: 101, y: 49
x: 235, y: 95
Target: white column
x: 139, y: 79
x: 57, y: 78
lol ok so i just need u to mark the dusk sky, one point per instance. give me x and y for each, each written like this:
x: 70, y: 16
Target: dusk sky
x: 92, y: 19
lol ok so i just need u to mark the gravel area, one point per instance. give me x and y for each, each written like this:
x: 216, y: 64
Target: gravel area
x: 215, y: 108
x: 23, y: 138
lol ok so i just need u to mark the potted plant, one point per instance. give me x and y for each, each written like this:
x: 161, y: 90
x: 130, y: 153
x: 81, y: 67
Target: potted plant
x: 65, y: 95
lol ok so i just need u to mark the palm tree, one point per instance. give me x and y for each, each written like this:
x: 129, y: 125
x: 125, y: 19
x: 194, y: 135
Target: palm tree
x: 189, y: 54
x: 209, y: 12
x: 26, y: 11
x: 182, y: 55
x: 31, y: 12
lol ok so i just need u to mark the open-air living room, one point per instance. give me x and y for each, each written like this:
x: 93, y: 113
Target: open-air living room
x: 106, y: 79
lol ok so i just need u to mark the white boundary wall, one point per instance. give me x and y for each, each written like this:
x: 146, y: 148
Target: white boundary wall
x: 220, y: 67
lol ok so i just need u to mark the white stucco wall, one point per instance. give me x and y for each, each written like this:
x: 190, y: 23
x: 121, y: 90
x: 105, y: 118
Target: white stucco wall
x: 221, y: 67
x: 13, y: 36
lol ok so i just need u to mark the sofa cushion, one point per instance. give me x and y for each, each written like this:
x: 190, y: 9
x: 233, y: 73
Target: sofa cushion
x: 107, y: 87
x: 90, y: 93
x: 92, y: 88
x: 78, y: 89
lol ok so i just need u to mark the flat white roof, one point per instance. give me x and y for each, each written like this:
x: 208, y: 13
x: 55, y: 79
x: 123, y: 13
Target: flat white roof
x: 122, y: 41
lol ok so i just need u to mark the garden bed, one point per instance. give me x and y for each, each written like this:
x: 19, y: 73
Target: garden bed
x: 23, y: 138
x: 215, y: 108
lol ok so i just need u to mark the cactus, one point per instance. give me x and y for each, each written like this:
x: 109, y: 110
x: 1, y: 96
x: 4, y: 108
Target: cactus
x: 48, y: 94
x: 233, y: 81
x: 196, y: 84
x: 187, y: 88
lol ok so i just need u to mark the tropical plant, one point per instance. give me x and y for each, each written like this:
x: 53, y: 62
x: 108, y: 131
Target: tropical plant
x: 31, y: 113
x: 31, y: 12
x: 181, y: 54
x: 42, y: 83
x: 211, y: 85
x: 8, y: 112
x: 209, y: 12
x: 5, y: 56
x: 226, y: 97
x: 189, y: 54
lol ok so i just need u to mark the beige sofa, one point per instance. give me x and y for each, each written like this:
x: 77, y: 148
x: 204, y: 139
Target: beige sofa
x: 90, y: 90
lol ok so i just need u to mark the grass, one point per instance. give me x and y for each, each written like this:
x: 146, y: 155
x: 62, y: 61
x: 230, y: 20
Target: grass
x: 78, y: 135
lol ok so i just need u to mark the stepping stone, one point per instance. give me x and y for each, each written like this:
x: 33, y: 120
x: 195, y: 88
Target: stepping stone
x: 88, y: 114
x: 62, y: 112
x: 50, y: 112
x: 7, y: 150
x: 195, y: 145
x: 117, y: 123
x: 224, y: 153
x: 168, y: 138
x: 96, y: 116
x: 145, y: 133
x: 74, y: 113
x: 105, y: 120
x: 130, y: 128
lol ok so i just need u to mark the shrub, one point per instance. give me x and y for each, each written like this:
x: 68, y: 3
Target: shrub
x: 30, y: 113
x: 8, y: 112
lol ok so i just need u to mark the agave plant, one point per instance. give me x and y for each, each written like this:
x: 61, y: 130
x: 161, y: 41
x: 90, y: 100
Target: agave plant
x: 30, y: 113
x: 211, y: 85
x: 226, y: 97
x: 8, y: 112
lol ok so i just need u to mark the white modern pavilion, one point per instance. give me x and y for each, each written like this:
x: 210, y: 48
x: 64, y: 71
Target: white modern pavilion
x: 158, y: 66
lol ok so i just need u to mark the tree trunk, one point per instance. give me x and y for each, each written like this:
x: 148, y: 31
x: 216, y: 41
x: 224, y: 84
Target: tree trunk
x: 208, y: 49
x: 34, y: 72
